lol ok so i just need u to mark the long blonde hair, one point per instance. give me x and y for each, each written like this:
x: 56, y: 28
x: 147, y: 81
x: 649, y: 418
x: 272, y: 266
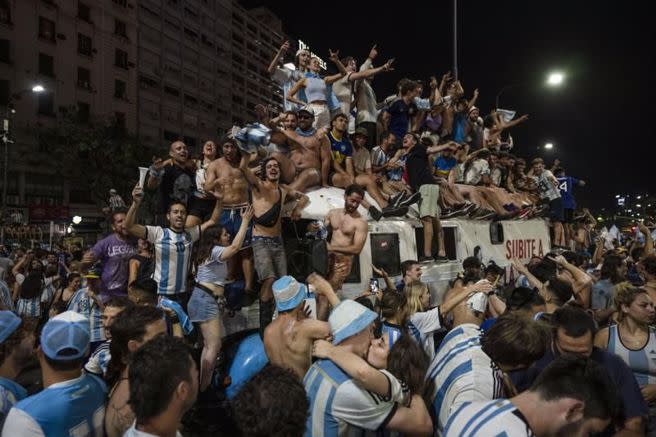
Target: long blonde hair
x: 414, y: 292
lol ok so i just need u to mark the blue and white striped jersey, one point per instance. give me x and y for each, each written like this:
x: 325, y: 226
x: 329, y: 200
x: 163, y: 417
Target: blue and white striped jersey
x: 641, y: 361
x: 340, y: 408
x: 461, y: 372
x: 5, y: 296
x: 99, y: 360
x: 34, y: 307
x: 89, y: 307
x: 172, y: 257
x: 498, y: 418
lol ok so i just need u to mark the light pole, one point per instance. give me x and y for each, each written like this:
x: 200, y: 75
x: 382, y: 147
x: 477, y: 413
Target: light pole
x: 554, y: 80
x: 36, y: 89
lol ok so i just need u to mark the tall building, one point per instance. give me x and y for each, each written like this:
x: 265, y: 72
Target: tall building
x: 83, y: 54
x: 166, y: 69
x: 202, y: 68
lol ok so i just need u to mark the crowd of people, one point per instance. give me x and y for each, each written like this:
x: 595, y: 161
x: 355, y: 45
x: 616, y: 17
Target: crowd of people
x: 121, y: 339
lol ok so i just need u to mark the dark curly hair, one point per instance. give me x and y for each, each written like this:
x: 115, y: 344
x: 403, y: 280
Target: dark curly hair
x: 260, y: 411
x: 156, y: 370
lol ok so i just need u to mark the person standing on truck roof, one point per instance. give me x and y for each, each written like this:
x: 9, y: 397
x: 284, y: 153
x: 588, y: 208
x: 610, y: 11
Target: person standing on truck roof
x: 347, y: 233
x: 420, y: 179
x: 268, y: 198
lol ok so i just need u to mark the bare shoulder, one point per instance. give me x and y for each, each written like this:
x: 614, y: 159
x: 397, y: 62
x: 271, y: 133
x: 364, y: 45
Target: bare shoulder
x: 601, y: 338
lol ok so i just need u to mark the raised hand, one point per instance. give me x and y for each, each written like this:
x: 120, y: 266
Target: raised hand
x: 388, y: 65
x: 334, y: 55
x: 137, y: 194
x: 517, y: 264
x: 246, y: 213
x: 380, y: 272
x: 284, y: 47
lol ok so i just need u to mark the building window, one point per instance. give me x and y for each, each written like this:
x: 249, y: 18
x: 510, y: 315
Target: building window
x: 5, y: 12
x: 171, y: 136
x: 121, y: 58
x: 46, y: 29
x: 146, y: 83
x: 120, y: 89
x: 119, y: 119
x: 46, y: 103
x: 46, y: 65
x: 4, y: 51
x: 83, y: 12
x: 84, y: 44
x: 119, y: 28
x: 172, y: 91
x: 4, y: 92
x: 83, y: 78
x: 83, y: 111
x: 190, y: 101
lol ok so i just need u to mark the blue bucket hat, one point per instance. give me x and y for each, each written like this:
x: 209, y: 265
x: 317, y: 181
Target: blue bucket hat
x: 288, y: 293
x: 349, y: 318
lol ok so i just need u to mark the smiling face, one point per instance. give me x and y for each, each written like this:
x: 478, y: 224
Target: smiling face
x: 314, y: 65
x: 290, y: 121
x: 303, y: 58
x: 177, y: 216
x: 118, y: 224
x: 210, y: 150
x: 305, y: 120
x: 352, y: 202
x: 272, y: 170
x: 179, y: 152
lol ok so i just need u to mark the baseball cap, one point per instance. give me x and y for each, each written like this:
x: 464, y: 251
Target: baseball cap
x: 308, y: 109
x: 288, y: 293
x: 66, y: 336
x: 361, y: 131
x: 9, y: 322
x: 92, y: 273
x: 349, y: 318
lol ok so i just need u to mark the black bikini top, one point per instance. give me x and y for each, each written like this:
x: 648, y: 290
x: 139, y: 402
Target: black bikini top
x: 270, y: 218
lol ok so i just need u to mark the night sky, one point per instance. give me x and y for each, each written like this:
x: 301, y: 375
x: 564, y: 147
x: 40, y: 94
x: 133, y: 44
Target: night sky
x: 600, y: 121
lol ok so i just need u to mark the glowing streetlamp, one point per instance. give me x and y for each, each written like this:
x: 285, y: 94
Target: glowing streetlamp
x: 555, y: 79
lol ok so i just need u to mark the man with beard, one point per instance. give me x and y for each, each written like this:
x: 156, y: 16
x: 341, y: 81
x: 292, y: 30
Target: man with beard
x: 348, y: 234
x: 223, y: 175
x: 173, y: 245
x: 163, y: 380
x: 114, y: 252
x: 573, y: 396
x: 175, y: 177
x: 268, y: 198
x: 308, y: 150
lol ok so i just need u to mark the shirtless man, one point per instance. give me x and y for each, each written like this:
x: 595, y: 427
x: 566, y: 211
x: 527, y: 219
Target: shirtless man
x: 310, y: 154
x: 288, y: 339
x: 268, y: 251
x: 223, y: 175
x: 349, y: 232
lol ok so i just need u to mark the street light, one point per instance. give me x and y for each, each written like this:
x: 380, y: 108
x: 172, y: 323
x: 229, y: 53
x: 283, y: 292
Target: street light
x: 77, y: 220
x: 555, y: 79
x: 36, y: 89
x: 548, y: 146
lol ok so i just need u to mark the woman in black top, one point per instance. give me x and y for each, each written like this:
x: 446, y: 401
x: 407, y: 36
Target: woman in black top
x: 141, y: 264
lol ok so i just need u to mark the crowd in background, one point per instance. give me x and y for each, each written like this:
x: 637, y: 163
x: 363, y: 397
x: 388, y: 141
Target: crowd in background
x: 123, y: 337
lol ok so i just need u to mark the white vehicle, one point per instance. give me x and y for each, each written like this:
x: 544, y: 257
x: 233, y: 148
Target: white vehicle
x: 393, y: 240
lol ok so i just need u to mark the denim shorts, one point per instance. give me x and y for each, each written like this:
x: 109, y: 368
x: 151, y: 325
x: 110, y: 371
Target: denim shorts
x: 269, y: 257
x: 202, y: 307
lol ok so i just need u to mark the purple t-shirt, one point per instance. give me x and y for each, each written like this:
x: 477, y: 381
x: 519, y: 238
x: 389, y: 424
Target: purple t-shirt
x: 114, y: 254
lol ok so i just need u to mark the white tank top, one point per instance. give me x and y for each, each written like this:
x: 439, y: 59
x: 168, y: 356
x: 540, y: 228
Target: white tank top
x: 641, y: 361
